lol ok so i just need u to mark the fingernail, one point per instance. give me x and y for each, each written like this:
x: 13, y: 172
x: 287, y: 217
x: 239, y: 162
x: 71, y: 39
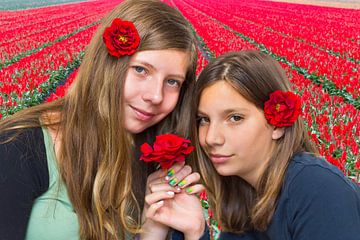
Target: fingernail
x: 160, y: 203
x: 171, y: 172
x: 167, y: 178
x: 182, y: 183
x: 178, y: 188
x: 189, y: 190
x: 170, y: 193
x: 173, y: 181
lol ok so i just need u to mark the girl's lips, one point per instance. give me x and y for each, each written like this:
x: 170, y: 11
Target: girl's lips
x: 218, y: 158
x: 142, y: 115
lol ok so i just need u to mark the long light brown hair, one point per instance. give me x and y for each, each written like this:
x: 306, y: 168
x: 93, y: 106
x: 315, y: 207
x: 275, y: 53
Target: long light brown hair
x: 96, y: 153
x: 237, y: 205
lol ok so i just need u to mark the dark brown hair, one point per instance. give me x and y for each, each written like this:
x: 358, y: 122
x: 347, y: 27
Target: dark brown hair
x: 96, y: 152
x: 237, y: 205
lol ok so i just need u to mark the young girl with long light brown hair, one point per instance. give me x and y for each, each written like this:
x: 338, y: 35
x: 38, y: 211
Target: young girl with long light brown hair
x: 70, y: 169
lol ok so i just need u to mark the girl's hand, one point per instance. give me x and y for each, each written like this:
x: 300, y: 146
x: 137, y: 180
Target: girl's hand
x: 158, y: 181
x: 174, y: 203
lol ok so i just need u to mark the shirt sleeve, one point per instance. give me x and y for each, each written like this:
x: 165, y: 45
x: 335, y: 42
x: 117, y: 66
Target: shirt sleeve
x: 323, y: 205
x: 23, y: 177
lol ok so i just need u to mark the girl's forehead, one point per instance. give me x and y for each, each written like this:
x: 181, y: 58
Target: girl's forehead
x: 221, y: 94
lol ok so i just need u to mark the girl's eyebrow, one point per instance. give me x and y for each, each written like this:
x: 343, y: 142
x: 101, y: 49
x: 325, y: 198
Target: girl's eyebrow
x: 145, y: 64
x: 231, y: 110
x: 227, y: 111
x: 199, y: 112
x: 180, y: 76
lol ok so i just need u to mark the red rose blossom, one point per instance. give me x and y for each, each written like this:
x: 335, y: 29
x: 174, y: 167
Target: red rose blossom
x: 167, y: 149
x: 121, y: 38
x: 282, y: 109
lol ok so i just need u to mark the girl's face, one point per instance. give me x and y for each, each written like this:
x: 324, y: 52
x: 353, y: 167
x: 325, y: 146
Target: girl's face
x: 234, y: 132
x: 152, y: 87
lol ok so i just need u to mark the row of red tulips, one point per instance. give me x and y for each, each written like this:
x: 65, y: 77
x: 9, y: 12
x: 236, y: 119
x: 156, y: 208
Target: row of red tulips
x: 322, y: 112
x: 322, y: 27
x: 344, y: 74
x: 48, y: 27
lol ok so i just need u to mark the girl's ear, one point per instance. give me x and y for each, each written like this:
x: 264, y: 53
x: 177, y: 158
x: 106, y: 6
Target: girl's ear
x: 278, y: 132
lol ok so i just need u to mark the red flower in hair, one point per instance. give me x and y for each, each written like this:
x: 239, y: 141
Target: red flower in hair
x: 282, y: 109
x: 121, y: 38
x: 167, y: 149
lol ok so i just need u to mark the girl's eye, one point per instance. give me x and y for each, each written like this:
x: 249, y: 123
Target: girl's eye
x: 139, y: 69
x: 236, y: 118
x: 202, y: 120
x: 174, y: 83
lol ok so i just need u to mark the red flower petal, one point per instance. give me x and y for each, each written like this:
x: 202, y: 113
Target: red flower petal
x: 282, y: 109
x: 167, y: 149
x: 146, y: 148
x: 121, y: 38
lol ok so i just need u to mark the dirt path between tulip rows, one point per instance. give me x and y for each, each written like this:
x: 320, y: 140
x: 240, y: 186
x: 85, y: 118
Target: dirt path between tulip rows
x: 353, y: 4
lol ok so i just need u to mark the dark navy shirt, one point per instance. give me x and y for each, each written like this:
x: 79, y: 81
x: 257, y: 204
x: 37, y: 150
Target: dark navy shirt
x: 317, y: 202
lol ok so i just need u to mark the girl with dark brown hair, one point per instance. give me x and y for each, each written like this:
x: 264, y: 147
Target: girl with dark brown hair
x: 70, y: 169
x: 263, y: 176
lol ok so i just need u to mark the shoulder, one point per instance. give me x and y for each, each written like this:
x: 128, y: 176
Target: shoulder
x: 319, y: 201
x: 21, y: 137
x: 311, y: 171
x: 23, y: 177
x: 23, y: 156
x: 311, y: 179
x: 26, y: 145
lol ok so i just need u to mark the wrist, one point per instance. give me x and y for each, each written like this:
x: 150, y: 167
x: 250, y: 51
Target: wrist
x: 153, y: 230
x: 195, y: 234
x: 152, y: 235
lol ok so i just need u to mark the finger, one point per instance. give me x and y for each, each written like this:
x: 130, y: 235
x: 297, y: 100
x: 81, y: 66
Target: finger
x: 163, y: 187
x: 152, y: 198
x: 163, y: 175
x: 160, y: 180
x: 156, y: 181
x: 180, y: 175
x: 153, y: 208
x: 159, y: 174
x: 174, y: 169
x: 191, y: 179
x: 195, y: 189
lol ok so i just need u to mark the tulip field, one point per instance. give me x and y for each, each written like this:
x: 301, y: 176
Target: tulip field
x: 319, y: 47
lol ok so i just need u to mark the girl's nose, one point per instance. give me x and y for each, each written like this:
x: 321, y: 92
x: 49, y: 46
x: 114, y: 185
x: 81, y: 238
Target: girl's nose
x: 214, y: 135
x: 154, y: 91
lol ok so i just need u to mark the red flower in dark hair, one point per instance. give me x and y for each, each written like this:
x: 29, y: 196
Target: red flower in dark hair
x: 282, y: 109
x: 121, y: 38
x: 168, y: 149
